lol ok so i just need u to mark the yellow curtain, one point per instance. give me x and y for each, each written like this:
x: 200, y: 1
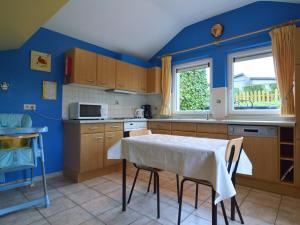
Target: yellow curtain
x: 284, y: 61
x: 166, y: 81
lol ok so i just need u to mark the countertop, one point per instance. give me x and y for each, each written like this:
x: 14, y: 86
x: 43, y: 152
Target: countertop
x: 216, y: 121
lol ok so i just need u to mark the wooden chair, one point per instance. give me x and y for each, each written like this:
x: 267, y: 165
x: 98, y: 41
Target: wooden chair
x: 153, y: 171
x: 232, y: 157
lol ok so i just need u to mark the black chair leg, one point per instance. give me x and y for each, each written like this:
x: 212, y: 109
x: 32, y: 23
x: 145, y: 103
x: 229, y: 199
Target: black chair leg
x: 150, y: 179
x: 224, y: 213
x: 134, y: 181
x: 157, y: 190
x: 180, y: 201
x: 196, y: 197
x: 238, y: 210
x: 154, y: 184
x: 177, y: 184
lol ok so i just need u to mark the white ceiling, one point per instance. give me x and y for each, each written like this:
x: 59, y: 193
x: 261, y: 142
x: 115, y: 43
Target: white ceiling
x: 136, y: 27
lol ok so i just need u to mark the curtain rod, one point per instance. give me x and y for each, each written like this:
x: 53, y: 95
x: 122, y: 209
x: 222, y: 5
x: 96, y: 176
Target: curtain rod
x: 230, y: 39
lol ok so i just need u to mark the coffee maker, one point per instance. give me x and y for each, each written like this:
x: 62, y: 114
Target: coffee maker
x: 147, y: 111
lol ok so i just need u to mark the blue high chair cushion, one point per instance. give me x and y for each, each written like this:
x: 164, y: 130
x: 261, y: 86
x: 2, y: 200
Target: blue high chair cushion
x: 11, y: 120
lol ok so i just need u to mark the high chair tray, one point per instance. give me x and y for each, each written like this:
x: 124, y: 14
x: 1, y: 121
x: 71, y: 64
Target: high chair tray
x: 16, y: 131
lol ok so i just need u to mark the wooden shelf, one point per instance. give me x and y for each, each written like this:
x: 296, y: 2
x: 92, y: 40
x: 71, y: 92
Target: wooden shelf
x: 287, y: 158
x: 287, y: 143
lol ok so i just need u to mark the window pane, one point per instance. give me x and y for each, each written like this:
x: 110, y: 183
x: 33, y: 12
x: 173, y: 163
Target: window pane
x: 254, y: 84
x: 193, y: 89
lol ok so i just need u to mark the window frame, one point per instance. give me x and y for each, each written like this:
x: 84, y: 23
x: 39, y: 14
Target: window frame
x: 174, y: 94
x: 245, y: 53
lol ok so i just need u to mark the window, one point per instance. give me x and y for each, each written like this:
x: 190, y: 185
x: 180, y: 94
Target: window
x: 252, y: 82
x: 191, y: 87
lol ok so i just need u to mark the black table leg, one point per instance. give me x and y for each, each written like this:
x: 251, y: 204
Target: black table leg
x: 213, y: 208
x: 124, y: 185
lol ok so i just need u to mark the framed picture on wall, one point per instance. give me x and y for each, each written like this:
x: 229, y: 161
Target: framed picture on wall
x: 49, y: 90
x: 40, y: 61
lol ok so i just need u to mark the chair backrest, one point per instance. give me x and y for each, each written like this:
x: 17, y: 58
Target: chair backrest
x: 139, y: 132
x: 233, y: 153
x: 12, y: 120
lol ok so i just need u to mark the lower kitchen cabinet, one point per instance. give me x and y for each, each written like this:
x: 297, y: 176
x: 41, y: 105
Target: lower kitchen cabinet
x: 110, y: 139
x: 85, y: 149
x: 212, y: 135
x: 184, y: 133
x: 91, y: 158
x: 263, y: 154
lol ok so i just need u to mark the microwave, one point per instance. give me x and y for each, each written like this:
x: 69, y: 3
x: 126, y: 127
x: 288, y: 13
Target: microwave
x: 81, y: 111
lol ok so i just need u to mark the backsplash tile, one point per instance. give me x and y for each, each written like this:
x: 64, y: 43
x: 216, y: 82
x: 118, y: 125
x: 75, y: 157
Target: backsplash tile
x: 119, y: 105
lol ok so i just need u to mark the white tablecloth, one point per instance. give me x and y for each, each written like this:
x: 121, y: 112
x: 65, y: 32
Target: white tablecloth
x: 200, y: 158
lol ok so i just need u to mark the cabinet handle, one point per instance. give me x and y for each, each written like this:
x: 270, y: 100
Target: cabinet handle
x: 102, y: 82
x: 99, y: 138
x: 90, y: 81
x: 93, y: 128
x: 115, y: 126
x: 109, y: 136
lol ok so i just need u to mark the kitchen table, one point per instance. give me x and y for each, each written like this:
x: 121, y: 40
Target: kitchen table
x: 199, y: 158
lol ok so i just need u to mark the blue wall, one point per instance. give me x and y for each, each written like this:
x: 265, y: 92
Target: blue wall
x: 249, y: 18
x: 26, y: 86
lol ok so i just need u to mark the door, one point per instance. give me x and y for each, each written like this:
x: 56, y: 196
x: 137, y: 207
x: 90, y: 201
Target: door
x: 85, y: 66
x: 110, y: 139
x: 106, y: 72
x: 91, y: 153
x: 263, y: 154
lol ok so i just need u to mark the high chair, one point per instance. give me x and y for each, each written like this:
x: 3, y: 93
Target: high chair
x: 21, y: 146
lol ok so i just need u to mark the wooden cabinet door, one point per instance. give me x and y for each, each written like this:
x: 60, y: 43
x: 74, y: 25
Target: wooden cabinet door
x: 106, y: 72
x: 91, y: 153
x: 158, y: 131
x: 124, y: 76
x: 84, y: 67
x: 263, y: 154
x: 110, y: 139
x: 142, y: 80
x: 154, y: 80
x: 297, y: 46
x: 211, y: 135
x: 184, y: 133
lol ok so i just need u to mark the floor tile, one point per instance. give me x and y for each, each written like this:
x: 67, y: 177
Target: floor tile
x: 117, y: 194
x: 195, y: 220
x: 73, y: 216
x: 100, y: 205
x: 288, y: 218
x: 106, y: 187
x: 289, y: 204
x: 53, y: 194
x: 58, y: 182
x: 117, y: 217
x: 93, y: 221
x: 261, y: 212
x: 84, y: 195
x: 56, y: 206
x: 41, y: 222
x: 23, y: 217
x: 73, y: 188
x: 95, y: 181
x: 264, y: 198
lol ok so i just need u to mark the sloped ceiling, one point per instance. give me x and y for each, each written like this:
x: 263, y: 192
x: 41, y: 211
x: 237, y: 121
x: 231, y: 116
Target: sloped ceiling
x: 136, y: 27
x: 19, y: 19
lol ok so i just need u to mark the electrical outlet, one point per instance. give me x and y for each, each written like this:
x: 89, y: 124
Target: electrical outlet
x: 31, y: 107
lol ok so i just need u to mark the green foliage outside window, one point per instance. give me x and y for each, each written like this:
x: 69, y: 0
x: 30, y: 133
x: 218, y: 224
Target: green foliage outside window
x: 194, y: 90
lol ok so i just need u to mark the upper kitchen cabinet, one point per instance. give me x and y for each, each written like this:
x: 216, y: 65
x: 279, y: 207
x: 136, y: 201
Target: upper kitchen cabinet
x: 140, y: 79
x: 297, y: 45
x: 154, y: 80
x: 81, y: 67
x: 123, y: 76
x: 106, y: 72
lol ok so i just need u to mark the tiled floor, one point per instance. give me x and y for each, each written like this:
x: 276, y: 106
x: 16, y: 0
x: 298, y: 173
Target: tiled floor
x: 97, y: 202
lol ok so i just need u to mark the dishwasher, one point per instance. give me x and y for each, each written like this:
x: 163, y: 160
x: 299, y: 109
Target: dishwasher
x: 261, y: 146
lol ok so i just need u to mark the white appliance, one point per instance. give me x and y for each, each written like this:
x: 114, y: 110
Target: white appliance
x: 81, y: 110
x: 139, y: 113
x: 134, y: 125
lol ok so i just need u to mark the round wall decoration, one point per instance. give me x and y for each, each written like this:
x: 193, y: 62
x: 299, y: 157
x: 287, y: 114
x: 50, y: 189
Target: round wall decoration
x: 217, y: 30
